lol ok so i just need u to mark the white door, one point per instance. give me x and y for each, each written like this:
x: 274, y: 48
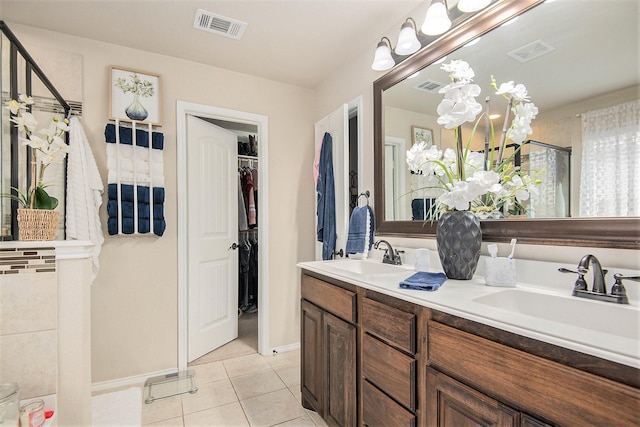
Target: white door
x: 212, y: 224
x: 337, y: 124
x: 397, y: 196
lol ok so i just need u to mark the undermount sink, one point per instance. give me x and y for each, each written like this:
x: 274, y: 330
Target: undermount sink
x: 366, y: 267
x: 609, y: 318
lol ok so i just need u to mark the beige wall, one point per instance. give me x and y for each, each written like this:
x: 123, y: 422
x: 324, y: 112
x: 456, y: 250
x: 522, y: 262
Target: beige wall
x: 357, y: 77
x: 134, y: 298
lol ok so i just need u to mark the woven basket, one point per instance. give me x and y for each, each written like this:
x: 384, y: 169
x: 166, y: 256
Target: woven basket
x: 37, y: 224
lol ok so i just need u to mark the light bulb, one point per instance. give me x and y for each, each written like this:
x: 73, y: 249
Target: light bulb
x: 407, y: 41
x: 382, y: 59
x: 437, y: 20
x: 472, y: 5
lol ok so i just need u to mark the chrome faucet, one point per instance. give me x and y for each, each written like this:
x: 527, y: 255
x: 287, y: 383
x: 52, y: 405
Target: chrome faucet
x: 391, y: 256
x: 599, y: 291
x: 598, y: 274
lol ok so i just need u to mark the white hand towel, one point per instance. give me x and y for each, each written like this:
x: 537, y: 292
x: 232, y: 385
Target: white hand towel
x: 84, y: 193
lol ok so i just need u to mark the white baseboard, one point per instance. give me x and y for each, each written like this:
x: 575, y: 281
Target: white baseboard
x: 136, y: 380
x: 283, y: 349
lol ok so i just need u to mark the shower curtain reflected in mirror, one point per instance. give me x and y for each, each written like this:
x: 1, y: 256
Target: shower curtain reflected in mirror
x: 611, y: 154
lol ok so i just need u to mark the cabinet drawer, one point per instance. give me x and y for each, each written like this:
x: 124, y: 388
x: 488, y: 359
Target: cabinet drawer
x: 390, y: 370
x: 392, y: 325
x: 379, y: 410
x: 331, y: 298
x: 562, y: 394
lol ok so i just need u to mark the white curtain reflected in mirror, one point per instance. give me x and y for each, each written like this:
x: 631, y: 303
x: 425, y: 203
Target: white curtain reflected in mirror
x: 610, y: 177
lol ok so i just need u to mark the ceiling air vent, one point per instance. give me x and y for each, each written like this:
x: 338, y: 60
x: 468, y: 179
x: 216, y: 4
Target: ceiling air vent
x: 429, y: 86
x: 219, y: 24
x: 531, y: 51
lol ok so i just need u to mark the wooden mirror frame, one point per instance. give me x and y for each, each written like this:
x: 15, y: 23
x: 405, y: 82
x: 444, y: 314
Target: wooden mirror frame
x: 621, y: 233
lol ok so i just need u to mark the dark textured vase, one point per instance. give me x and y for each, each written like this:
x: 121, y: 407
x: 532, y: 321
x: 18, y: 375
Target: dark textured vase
x: 459, y: 238
x: 136, y: 111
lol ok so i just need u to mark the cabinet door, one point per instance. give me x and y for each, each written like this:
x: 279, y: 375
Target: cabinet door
x: 452, y: 404
x: 311, y: 366
x: 340, y: 372
x: 529, y: 421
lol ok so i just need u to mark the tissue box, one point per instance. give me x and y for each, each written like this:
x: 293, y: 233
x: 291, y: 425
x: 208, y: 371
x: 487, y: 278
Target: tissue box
x: 500, y: 272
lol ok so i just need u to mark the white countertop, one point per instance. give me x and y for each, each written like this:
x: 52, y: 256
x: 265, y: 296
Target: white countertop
x: 459, y: 298
x: 65, y: 249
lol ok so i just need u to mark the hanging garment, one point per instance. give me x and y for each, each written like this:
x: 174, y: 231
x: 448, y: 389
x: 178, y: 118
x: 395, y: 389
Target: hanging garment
x: 242, y: 210
x: 84, y: 193
x: 249, y: 195
x: 253, y: 277
x: 244, y: 252
x: 326, y: 226
x: 254, y: 178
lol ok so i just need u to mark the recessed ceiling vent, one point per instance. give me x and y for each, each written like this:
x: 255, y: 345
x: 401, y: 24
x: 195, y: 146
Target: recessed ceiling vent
x: 429, y: 86
x: 219, y: 24
x: 531, y: 51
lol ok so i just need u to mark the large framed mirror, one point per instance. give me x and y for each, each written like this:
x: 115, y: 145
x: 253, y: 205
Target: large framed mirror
x: 575, y: 60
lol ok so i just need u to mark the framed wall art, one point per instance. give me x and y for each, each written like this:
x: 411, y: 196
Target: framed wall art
x: 420, y: 134
x: 134, y: 95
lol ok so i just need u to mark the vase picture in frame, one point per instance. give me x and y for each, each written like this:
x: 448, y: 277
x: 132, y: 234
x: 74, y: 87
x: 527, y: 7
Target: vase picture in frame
x: 134, y: 95
x: 421, y: 134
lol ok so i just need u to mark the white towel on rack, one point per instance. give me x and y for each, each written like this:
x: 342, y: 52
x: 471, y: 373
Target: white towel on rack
x: 125, y: 155
x: 84, y: 193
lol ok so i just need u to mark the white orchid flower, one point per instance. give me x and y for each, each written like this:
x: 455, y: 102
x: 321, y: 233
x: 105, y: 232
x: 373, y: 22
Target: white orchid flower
x: 26, y: 122
x: 517, y: 91
x: 459, y: 70
x: 483, y: 190
x: 24, y: 99
x: 14, y: 106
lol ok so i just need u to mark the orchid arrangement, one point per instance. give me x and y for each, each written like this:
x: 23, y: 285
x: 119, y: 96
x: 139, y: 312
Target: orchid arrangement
x: 485, y: 183
x: 47, y: 146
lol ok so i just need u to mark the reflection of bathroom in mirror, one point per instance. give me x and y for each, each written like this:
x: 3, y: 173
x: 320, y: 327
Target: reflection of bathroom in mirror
x: 580, y: 66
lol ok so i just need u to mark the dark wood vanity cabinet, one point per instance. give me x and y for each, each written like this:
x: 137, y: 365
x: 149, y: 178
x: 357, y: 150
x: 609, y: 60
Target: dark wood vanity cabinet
x: 328, y: 351
x: 489, y: 377
x: 389, y: 360
x: 453, y: 404
x: 374, y: 360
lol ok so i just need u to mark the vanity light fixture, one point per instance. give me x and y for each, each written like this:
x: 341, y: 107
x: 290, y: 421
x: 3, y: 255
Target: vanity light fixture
x: 472, y: 5
x: 407, y: 39
x: 437, y: 20
x: 382, y: 60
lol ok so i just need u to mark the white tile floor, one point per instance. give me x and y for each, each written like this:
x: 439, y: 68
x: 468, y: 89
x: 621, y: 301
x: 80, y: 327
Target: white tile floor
x: 250, y: 390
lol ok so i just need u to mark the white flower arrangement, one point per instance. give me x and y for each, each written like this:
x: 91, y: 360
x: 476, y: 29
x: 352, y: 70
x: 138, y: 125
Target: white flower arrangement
x: 469, y: 180
x: 47, y: 146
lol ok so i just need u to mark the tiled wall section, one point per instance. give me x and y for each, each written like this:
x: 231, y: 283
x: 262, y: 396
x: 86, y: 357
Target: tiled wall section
x: 21, y: 261
x: 28, y: 320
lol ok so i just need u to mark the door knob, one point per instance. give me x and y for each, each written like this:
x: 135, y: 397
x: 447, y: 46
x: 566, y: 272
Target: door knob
x: 234, y: 246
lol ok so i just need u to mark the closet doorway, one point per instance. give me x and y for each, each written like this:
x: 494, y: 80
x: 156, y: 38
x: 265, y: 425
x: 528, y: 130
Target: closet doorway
x: 250, y: 131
